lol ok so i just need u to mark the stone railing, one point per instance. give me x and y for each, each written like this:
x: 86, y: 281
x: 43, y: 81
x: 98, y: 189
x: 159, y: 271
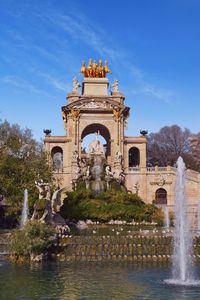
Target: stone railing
x: 152, y: 169
x: 134, y: 169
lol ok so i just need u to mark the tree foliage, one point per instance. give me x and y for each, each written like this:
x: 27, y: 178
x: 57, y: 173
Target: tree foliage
x: 116, y: 205
x: 195, y: 148
x: 22, y: 161
x: 165, y: 146
x: 34, y: 238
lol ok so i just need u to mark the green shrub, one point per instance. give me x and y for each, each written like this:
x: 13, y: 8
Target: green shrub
x: 112, y: 204
x: 35, y: 238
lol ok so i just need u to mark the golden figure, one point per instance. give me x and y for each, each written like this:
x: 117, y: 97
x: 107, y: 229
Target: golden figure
x: 84, y: 69
x: 94, y: 70
x: 89, y: 68
x: 100, y: 71
x: 106, y: 69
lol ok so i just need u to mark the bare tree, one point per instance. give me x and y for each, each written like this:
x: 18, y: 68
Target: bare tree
x: 165, y: 146
x: 195, y: 147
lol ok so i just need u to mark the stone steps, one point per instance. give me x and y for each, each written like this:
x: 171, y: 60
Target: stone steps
x: 136, y: 248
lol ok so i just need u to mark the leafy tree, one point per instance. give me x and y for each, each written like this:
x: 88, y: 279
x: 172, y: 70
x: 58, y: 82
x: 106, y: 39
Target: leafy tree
x: 22, y: 161
x: 165, y: 146
x: 35, y: 238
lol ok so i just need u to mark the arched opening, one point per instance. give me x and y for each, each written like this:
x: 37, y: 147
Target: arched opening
x: 161, y: 196
x: 57, y: 158
x: 134, y: 157
x: 88, y: 134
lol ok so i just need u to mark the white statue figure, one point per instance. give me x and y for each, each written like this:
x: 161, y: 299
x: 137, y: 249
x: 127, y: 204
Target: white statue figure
x: 88, y: 171
x: 43, y: 189
x: 97, y: 135
x: 119, y: 175
x: 96, y: 147
x: 115, y: 86
x: 55, y: 200
x: 118, y: 157
x: 44, y: 193
x: 108, y: 177
x: 76, y: 85
x: 108, y: 172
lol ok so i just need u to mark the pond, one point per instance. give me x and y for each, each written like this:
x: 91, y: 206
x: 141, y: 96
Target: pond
x: 95, y: 281
x: 122, y: 230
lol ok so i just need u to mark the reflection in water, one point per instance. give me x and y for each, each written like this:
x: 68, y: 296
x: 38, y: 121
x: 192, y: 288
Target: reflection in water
x: 73, y: 281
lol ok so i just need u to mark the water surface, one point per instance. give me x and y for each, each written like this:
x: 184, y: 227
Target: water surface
x: 95, y: 281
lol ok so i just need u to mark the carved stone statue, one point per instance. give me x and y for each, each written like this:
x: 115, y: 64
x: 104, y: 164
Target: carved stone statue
x: 96, y: 147
x: 75, y: 156
x: 47, y: 207
x: 108, y: 172
x: 108, y: 177
x: 88, y: 171
x: 115, y: 86
x: 118, y: 157
x: 119, y: 175
x: 76, y: 85
x: 45, y: 195
x: 75, y: 165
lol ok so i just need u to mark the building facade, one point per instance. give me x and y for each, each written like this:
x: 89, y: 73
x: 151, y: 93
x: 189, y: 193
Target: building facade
x: 95, y: 110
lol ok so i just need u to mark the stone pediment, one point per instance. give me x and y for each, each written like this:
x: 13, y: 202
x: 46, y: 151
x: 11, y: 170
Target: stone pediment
x: 95, y: 103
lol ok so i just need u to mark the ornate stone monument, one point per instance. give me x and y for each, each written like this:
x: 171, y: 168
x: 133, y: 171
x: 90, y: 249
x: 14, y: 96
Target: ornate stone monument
x: 91, y: 109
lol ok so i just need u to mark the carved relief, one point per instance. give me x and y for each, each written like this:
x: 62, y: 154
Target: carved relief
x: 75, y: 113
x: 93, y: 105
x: 161, y: 180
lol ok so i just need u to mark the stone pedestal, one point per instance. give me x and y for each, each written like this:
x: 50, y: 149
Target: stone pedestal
x: 95, y: 87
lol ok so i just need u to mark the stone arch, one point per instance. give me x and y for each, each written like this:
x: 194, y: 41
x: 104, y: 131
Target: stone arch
x: 57, y: 158
x: 133, y: 157
x: 161, y: 196
x: 103, y: 131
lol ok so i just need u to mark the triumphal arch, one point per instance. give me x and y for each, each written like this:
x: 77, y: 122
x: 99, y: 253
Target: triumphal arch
x: 98, y: 107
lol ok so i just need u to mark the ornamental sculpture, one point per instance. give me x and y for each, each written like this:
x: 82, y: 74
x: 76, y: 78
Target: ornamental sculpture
x: 75, y: 113
x: 76, y: 85
x: 115, y: 86
x: 94, y: 70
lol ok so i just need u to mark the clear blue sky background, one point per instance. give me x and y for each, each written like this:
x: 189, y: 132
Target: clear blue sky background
x: 153, y: 49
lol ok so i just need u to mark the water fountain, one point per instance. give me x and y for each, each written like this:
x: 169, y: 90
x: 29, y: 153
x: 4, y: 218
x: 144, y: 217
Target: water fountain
x: 182, y: 264
x: 166, y: 217
x: 97, y: 171
x: 96, y: 153
x: 25, y: 210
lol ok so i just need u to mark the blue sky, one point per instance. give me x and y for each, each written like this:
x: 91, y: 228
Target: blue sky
x: 153, y: 49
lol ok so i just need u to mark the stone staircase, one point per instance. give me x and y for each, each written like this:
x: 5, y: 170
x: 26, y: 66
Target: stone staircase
x: 111, y: 248
x: 4, y: 244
